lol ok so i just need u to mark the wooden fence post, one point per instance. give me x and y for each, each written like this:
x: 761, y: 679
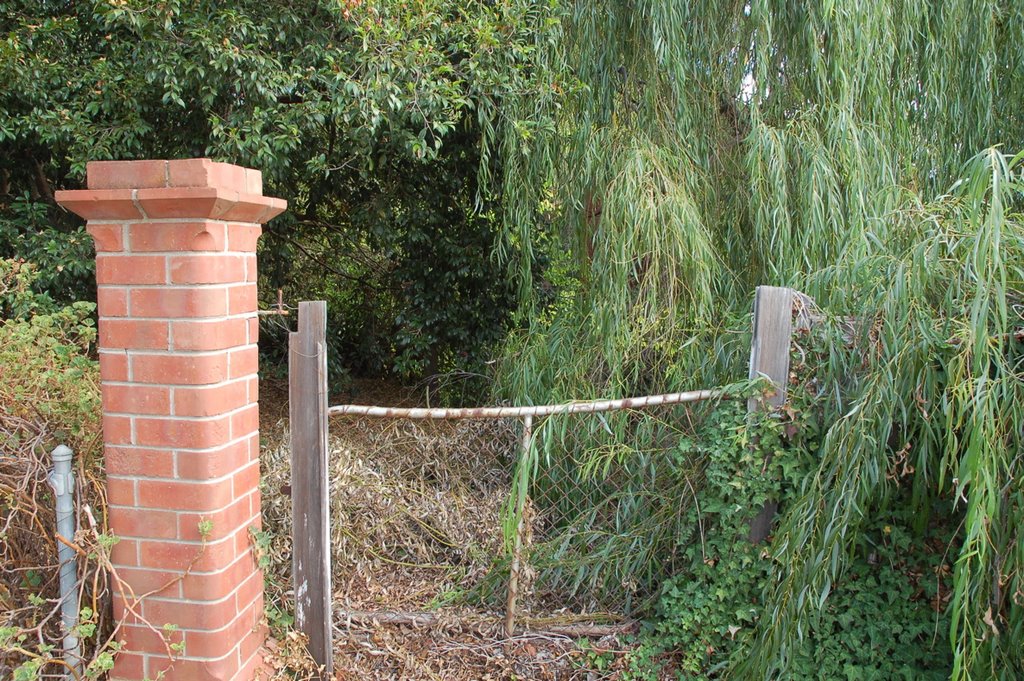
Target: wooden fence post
x: 517, y: 542
x: 307, y: 411
x: 769, y: 356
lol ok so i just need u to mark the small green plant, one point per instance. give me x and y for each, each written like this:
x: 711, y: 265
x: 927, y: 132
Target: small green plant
x: 178, y: 647
x: 87, y: 621
x: 205, y: 529
x: 107, y: 541
x: 594, y: 659
x: 278, y: 618
x: 643, y: 663
x: 261, y: 542
x: 28, y: 671
x: 103, y: 661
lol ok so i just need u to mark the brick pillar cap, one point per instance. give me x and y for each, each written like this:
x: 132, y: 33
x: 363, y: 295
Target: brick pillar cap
x: 185, y: 188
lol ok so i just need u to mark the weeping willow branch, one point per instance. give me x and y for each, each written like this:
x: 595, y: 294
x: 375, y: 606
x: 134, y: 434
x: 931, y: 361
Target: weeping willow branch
x: 681, y: 153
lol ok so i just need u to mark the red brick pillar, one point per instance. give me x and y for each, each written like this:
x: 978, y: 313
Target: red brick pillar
x: 176, y: 275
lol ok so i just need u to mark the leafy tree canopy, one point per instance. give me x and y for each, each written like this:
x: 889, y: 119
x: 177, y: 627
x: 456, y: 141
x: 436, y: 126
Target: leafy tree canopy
x: 366, y: 116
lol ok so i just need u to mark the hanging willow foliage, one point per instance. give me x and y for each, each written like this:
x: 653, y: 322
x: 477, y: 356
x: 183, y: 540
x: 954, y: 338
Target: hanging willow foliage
x: 681, y: 153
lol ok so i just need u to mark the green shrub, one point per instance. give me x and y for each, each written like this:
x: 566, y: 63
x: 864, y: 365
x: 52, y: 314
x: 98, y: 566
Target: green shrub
x: 49, y: 385
x: 885, y: 619
x: 49, y: 395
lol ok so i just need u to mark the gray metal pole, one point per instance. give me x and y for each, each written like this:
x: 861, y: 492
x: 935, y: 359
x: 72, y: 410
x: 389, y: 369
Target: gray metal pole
x: 62, y: 479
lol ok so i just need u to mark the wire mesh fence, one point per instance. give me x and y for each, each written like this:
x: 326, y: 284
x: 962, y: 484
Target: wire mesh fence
x: 457, y: 512
x: 582, y: 517
x: 415, y: 508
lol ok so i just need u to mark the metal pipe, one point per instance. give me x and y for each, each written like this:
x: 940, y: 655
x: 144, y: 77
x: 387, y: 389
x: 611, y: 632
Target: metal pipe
x: 62, y: 479
x: 587, y: 407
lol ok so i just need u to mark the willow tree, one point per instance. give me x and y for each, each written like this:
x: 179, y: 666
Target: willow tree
x: 680, y: 153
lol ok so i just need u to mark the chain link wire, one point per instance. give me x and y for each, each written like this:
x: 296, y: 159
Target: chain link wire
x: 424, y: 511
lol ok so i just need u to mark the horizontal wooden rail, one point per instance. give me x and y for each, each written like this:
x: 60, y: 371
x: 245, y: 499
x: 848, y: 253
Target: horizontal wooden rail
x: 587, y: 407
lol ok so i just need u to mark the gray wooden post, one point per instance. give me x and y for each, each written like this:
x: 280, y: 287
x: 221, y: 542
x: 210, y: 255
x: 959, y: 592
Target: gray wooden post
x: 769, y: 356
x: 307, y: 412
x: 517, y: 542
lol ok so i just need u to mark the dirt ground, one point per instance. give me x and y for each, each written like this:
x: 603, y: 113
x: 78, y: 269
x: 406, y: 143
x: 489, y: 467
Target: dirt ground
x: 415, y: 518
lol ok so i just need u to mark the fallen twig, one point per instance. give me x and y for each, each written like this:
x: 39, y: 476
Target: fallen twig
x: 430, y: 620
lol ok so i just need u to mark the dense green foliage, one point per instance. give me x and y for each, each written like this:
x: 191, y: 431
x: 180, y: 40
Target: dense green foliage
x: 698, y: 149
x: 884, y: 618
x: 367, y: 117
x: 48, y: 384
x: 634, y: 169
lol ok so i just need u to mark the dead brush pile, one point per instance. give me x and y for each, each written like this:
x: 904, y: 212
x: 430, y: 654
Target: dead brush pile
x: 415, y: 508
x: 49, y: 395
x: 416, y: 530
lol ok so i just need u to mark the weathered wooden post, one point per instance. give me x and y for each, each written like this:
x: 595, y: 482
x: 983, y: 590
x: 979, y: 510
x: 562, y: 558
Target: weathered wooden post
x: 307, y: 409
x: 517, y: 542
x: 769, y: 357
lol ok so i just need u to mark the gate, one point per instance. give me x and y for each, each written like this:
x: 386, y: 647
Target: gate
x: 498, y: 530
